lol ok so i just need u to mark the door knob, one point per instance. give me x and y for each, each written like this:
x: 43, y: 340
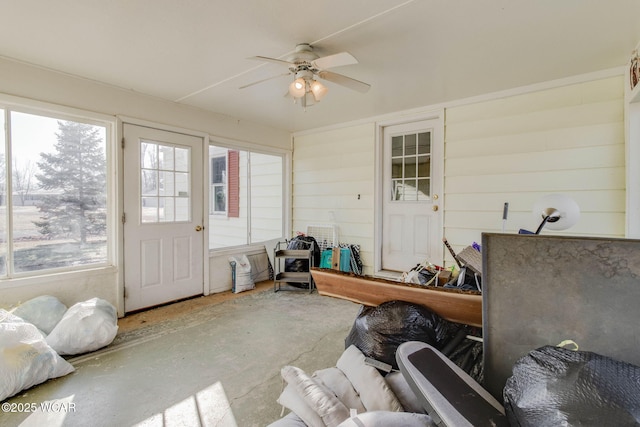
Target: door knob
x: 435, y: 208
x: 199, y: 228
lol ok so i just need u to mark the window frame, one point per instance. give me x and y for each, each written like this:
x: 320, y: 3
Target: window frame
x: 285, y: 155
x: 9, y: 104
x: 400, y: 175
x: 161, y: 196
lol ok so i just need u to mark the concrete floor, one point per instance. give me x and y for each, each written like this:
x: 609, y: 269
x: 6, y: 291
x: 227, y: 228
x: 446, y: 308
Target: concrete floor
x: 210, y: 361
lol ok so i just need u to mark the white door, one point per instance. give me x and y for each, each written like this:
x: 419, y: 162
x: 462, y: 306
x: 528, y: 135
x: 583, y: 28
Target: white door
x: 411, y: 190
x: 163, y: 222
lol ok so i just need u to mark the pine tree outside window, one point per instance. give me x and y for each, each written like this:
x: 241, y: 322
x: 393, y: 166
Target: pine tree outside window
x: 53, y: 194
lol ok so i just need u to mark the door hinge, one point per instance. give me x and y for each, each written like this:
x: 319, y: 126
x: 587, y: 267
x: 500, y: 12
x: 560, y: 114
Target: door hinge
x: 124, y: 217
x: 126, y: 293
x: 122, y: 142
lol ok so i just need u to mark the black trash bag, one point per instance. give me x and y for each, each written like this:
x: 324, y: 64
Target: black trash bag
x: 553, y: 386
x: 378, y: 331
x: 466, y: 353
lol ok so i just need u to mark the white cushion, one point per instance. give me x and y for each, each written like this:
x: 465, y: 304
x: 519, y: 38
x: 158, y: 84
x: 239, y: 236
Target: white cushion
x: 336, y: 381
x: 320, y: 399
x: 290, y: 399
x: 367, y: 381
x: 403, y: 392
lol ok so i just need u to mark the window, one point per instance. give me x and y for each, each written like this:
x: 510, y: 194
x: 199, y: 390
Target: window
x: 165, y: 177
x: 411, y: 166
x: 218, y: 197
x: 53, y: 193
x: 246, y: 197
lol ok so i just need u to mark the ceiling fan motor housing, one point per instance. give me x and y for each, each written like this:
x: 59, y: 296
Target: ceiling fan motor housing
x: 302, y: 58
x: 305, y: 74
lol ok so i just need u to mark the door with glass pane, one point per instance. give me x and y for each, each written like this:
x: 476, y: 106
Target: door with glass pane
x: 163, y: 237
x: 411, y: 219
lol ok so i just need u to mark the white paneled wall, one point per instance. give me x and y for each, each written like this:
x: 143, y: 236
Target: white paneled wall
x: 333, y: 183
x: 517, y: 149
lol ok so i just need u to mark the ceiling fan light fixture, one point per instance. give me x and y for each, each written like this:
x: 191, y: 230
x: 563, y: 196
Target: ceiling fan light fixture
x: 306, y: 66
x: 298, y: 88
x: 318, y: 89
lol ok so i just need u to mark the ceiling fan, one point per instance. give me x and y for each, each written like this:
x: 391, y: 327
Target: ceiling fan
x: 306, y: 65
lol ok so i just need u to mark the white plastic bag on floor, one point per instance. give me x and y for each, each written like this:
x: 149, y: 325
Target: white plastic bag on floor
x: 241, y: 274
x: 25, y: 357
x: 86, y: 326
x: 44, y: 312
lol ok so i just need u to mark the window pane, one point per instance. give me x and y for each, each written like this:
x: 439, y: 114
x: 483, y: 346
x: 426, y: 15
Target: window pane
x: 149, y: 211
x: 166, y: 211
x: 424, y: 192
x: 424, y: 166
x: 225, y: 230
x: 149, y: 182
x: 258, y: 197
x: 266, y: 197
x: 165, y: 158
x: 424, y: 143
x: 396, y: 168
x: 218, y: 170
x: 148, y: 155
x: 167, y: 184
x: 396, y: 186
x: 410, y: 189
x: 59, y: 193
x: 159, y: 178
x: 182, y: 159
x: 410, y: 167
x: 410, y: 145
x: 220, y: 201
x: 182, y: 184
x: 396, y: 146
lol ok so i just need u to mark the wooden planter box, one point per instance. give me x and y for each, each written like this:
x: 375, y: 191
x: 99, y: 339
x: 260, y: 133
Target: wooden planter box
x: 450, y: 304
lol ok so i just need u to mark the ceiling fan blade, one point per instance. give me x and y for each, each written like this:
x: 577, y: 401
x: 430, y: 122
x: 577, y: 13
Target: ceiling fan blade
x: 264, y: 80
x: 337, y: 60
x: 345, y: 81
x: 273, y: 60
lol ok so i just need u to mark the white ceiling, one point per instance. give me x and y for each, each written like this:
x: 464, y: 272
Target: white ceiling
x: 413, y: 53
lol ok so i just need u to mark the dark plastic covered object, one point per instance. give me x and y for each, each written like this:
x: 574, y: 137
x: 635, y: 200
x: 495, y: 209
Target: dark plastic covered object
x: 553, y: 386
x: 378, y: 331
